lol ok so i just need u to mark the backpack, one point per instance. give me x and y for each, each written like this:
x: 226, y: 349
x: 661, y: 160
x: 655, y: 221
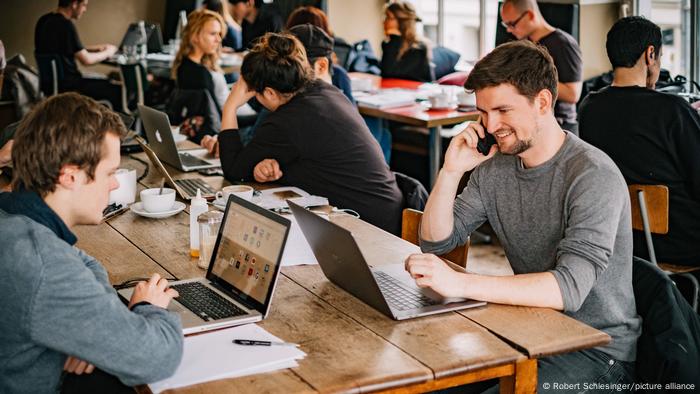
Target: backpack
x: 361, y: 58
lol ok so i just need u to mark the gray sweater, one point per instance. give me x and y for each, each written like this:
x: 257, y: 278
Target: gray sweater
x: 57, y: 301
x: 569, y: 216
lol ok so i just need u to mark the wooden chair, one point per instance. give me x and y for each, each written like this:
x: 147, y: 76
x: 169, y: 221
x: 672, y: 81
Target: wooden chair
x: 410, y: 221
x: 650, y: 215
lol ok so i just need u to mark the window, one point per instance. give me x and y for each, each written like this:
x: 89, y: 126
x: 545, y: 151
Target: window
x: 459, y: 25
x: 673, y: 17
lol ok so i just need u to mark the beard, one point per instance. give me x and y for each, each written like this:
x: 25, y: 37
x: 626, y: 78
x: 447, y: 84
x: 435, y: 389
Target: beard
x: 518, y: 147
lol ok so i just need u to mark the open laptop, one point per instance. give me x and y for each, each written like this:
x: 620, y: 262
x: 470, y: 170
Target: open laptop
x: 242, y: 274
x: 387, y: 288
x: 161, y: 140
x: 154, y: 36
x: 186, y: 188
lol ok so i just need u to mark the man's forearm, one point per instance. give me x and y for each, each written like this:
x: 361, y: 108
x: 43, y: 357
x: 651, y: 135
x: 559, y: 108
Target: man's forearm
x: 438, y: 221
x: 538, y: 289
x: 569, y: 92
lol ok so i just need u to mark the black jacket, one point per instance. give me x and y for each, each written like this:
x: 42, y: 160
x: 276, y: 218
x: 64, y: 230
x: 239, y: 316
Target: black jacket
x: 668, y: 351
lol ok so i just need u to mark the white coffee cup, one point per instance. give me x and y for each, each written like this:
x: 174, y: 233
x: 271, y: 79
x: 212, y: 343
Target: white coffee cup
x: 154, y: 202
x: 440, y: 100
x: 243, y: 191
x: 125, y: 194
x: 466, y: 99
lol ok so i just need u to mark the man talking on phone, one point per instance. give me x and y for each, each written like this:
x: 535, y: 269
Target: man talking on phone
x: 558, y: 205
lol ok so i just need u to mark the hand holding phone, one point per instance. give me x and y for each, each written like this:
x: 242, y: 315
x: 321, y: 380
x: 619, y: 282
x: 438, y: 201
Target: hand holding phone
x: 484, y: 144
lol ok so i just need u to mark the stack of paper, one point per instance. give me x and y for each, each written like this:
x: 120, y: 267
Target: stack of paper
x: 213, y: 356
x: 388, y: 98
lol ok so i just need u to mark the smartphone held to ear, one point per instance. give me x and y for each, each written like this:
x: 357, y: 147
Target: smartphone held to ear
x: 484, y: 144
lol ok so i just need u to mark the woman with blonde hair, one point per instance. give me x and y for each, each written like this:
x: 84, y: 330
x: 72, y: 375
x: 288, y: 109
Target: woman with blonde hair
x: 196, y: 63
x: 404, y: 54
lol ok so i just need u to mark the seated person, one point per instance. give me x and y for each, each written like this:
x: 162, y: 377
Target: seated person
x: 196, y: 63
x: 558, y: 205
x: 404, y: 54
x: 653, y: 137
x: 55, y: 34
x: 61, y: 315
x: 257, y: 19
x: 313, y: 138
x: 316, y: 17
x: 232, y: 41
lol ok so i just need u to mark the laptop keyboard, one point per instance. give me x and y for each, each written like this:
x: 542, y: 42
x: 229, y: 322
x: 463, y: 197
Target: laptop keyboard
x: 190, y: 186
x: 399, y: 296
x: 188, y: 160
x: 205, y: 302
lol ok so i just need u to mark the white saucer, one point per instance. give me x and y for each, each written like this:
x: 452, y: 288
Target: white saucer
x: 427, y: 106
x: 137, y: 208
x: 179, y: 137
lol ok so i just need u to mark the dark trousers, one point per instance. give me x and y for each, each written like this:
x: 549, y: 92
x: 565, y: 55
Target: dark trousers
x: 96, y: 382
x: 583, y: 371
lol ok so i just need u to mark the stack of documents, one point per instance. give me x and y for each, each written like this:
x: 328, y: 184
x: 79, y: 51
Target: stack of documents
x: 213, y: 356
x: 388, y: 98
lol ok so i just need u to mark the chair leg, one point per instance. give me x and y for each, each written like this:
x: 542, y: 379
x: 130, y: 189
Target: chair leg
x: 647, y: 229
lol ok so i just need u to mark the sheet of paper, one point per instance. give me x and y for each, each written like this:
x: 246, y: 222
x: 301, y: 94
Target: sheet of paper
x: 214, y: 356
x: 297, y: 250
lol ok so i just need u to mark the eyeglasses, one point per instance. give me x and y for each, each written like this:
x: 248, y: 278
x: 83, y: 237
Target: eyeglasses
x: 512, y: 25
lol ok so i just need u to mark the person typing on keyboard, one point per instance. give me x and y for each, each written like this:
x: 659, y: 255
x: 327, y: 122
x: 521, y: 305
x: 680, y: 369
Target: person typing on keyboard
x: 64, y: 327
x: 540, y: 188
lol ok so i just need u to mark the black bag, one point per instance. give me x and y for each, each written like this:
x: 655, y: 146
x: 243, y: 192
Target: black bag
x: 414, y: 193
x: 362, y: 59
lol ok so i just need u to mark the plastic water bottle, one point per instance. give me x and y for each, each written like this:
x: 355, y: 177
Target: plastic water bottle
x: 198, y: 206
x: 181, y: 23
x: 142, y: 43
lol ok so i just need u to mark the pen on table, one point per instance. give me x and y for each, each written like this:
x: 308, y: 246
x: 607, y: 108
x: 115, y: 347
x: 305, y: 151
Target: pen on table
x: 252, y: 342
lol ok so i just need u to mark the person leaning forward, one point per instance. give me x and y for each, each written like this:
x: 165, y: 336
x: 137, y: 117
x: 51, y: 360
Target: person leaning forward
x: 558, y: 205
x: 61, y: 317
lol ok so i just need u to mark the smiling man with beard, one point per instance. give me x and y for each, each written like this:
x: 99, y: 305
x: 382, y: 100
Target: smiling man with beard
x: 558, y: 205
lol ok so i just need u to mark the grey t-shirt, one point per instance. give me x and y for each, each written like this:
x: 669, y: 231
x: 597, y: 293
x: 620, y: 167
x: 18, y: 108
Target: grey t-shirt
x: 569, y: 216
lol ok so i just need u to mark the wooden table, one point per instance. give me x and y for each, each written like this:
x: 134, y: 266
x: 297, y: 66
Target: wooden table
x: 416, y: 115
x: 350, y: 346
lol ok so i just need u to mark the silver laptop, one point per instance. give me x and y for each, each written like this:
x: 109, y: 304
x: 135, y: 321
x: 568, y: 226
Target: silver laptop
x: 387, y: 288
x: 161, y: 140
x: 242, y: 274
x: 186, y: 188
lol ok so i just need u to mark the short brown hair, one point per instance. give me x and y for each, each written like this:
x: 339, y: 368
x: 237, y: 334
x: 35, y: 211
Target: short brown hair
x: 526, y: 66
x: 65, y: 129
x: 309, y: 14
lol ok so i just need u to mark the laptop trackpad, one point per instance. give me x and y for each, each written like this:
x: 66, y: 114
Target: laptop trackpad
x: 398, y: 272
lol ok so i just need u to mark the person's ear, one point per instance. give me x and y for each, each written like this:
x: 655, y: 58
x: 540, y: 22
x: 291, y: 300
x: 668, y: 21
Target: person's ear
x: 543, y: 101
x: 270, y: 94
x: 321, y: 66
x: 68, y: 176
x: 650, y: 55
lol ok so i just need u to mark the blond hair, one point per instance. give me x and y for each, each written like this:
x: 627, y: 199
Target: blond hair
x: 195, y: 23
x: 406, y: 16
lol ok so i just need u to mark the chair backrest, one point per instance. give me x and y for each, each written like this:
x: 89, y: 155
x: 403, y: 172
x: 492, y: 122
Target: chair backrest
x: 656, y: 201
x: 134, y: 84
x: 410, y: 223
x: 50, y: 72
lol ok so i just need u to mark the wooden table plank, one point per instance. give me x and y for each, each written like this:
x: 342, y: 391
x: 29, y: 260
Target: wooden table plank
x: 447, y: 343
x: 539, y: 332
x: 275, y: 382
x: 121, y: 259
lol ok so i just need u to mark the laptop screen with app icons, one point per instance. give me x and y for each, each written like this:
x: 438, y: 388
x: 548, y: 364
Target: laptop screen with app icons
x: 248, y: 251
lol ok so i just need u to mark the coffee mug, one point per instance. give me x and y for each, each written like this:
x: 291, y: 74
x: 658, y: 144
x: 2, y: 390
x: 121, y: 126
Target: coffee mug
x: 440, y: 100
x: 466, y: 99
x: 243, y: 191
x: 125, y: 194
x: 154, y: 201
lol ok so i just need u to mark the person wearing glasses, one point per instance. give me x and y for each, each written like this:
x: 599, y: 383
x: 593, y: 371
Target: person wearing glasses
x: 522, y: 18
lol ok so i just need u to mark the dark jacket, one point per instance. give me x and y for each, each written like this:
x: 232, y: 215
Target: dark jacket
x: 668, y: 351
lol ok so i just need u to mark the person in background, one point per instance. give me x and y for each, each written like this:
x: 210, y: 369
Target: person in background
x: 522, y: 18
x: 313, y: 138
x: 5, y: 143
x: 316, y: 17
x: 653, y: 137
x: 196, y: 62
x: 233, y: 40
x: 558, y: 205
x: 404, y: 54
x: 55, y: 34
x: 64, y: 327
x: 257, y: 19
